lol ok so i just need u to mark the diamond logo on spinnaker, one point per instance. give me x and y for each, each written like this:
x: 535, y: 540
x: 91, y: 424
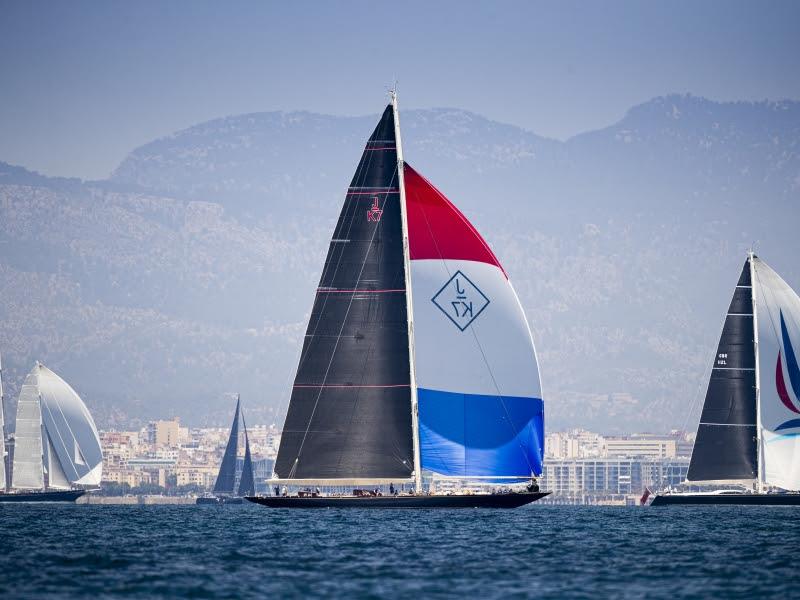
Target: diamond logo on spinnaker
x: 460, y: 300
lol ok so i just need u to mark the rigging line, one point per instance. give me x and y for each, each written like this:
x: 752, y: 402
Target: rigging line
x: 341, y: 330
x: 300, y: 357
x: 475, y: 335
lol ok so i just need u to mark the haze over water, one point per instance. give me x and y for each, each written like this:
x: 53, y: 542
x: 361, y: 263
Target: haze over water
x: 79, y: 551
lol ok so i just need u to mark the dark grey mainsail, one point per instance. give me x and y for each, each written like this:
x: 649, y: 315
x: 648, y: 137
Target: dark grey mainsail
x: 226, y: 478
x: 349, y: 415
x: 726, y: 444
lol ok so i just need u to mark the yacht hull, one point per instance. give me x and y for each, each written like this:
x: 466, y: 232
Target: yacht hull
x: 218, y: 500
x: 61, y: 496
x: 454, y: 501
x: 731, y: 499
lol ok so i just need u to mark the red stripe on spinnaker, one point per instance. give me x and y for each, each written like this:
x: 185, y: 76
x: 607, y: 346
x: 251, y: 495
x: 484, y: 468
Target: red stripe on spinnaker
x: 783, y: 393
x: 437, y: 229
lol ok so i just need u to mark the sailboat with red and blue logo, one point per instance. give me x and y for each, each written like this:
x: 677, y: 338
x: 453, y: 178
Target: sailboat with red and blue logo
x: 418, y: 364
x: 748, y: 440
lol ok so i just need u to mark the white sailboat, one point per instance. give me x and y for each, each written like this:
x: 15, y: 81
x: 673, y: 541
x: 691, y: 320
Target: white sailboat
x: 748, y: 439
x: 57, y: 455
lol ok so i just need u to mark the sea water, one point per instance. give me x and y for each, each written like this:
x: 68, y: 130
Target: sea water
x: 86, y: 551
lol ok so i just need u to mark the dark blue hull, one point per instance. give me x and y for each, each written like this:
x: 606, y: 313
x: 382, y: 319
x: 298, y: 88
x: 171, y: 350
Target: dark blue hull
x: 454, y: 501
x: 63, y: 496
x: 730, y: 499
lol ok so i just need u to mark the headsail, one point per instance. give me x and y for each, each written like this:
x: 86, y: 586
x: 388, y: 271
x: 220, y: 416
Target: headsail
x: 56, y: 478
x: 247, y: 485
x: 725, y: 448
x: 349, y: 416
x: 70, y: 429
x: 778, y: 309
x: 28, y: 473
x: 481, y: 413
x: 226, y: 478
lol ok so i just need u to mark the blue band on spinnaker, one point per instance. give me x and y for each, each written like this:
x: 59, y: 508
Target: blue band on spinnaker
x: 471, y: 435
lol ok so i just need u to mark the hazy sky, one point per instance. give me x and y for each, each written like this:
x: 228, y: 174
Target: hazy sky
x: 83, y: 83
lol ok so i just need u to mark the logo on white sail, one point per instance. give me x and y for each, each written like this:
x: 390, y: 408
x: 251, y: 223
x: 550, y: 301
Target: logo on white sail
x: 460, y: 300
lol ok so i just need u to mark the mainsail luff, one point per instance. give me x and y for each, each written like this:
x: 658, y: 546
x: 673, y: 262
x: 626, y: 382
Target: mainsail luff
x: 725, y: 449
x: 226, y: 478
x: 348, y: 415
x: 759, y: 441
x: 409, y: 300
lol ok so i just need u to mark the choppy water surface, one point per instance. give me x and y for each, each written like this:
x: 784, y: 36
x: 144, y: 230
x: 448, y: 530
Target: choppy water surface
x: 248, y: 551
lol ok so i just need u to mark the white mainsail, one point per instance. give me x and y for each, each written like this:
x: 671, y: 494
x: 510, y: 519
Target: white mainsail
x: 778, y: 310
x: 28, y: 473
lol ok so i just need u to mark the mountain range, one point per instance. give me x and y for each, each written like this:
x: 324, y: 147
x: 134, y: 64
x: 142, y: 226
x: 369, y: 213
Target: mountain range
x: 188, y: 274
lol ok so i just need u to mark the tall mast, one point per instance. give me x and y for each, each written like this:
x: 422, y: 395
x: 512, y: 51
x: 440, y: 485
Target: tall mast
x: 409, y: 303
x: 760, y: 475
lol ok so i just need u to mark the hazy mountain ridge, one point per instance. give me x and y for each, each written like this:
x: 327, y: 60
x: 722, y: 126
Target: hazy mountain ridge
x: 190, y: 272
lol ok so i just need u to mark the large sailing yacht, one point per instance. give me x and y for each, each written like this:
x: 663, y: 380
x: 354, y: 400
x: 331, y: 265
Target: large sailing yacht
x: 230, y: 489
x: 417, y: 357
x: 748, y: 439
x: 57, y: 455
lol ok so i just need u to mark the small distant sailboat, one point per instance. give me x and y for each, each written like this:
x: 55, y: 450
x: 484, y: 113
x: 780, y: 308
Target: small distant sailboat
x: 57, y: 454
x: 749, y: 434
x: 417, y: 357
x: 227, y: 490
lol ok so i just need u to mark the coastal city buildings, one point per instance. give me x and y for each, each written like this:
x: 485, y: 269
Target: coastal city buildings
x: 580, y: 467
x: 165, y: 457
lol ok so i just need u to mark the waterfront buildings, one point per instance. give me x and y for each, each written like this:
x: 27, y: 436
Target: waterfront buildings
x: 580, y: 466
x: 179, y: 459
